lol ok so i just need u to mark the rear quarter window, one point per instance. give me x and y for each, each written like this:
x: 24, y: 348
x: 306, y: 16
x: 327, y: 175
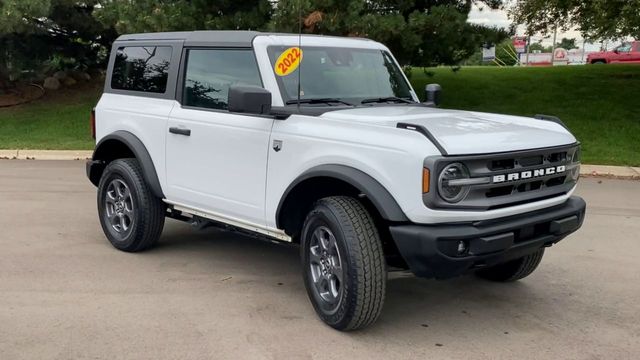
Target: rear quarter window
x: 141, y: 68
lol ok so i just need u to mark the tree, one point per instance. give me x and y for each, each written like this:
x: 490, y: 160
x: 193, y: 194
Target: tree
x: 506, y: 54
x: 418, y: 32
x: 182, y: 15
x: 33, y: 31
x: 596, y: 19
x: 567, y: 44
x: 537, y: 46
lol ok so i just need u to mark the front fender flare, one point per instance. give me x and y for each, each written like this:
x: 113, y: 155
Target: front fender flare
x: 370, y: 187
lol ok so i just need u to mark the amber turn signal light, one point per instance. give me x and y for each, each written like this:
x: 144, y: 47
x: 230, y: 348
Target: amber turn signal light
x: 425, y: 180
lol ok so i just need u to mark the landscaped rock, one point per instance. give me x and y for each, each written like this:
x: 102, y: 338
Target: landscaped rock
x: 81, y: 76
x: 60, y: 75
x: 69, y: 81
x: 99, y: 75
x: 51, y: 83
x: 37, y: 78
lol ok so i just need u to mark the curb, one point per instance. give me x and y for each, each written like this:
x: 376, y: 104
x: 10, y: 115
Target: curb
x: 618, y: 172
x: 45, y: 154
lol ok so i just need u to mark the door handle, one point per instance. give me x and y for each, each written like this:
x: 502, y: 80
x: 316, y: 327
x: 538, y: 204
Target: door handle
x: 180, y: 131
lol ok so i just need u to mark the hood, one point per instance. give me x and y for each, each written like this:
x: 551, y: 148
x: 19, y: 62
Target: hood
x: 465, y: 132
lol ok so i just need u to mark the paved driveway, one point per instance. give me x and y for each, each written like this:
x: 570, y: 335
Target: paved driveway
x: 65, y: 293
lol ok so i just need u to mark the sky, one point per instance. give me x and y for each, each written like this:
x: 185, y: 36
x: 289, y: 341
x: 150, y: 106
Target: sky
x: 485, y: 16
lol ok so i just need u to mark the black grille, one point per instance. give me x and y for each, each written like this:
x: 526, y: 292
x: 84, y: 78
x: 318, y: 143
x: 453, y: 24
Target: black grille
x: 532, y: 185
x: 503, y: 164
x: 533, y: 182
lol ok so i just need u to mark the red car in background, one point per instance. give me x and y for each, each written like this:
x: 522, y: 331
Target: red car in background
x: 627, y: 53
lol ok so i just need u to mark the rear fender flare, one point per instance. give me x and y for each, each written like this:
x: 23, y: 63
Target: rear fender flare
x: 135, y: 145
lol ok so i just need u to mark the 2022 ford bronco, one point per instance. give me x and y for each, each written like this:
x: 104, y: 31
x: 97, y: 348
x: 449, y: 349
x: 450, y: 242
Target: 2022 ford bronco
x: 322, y: 141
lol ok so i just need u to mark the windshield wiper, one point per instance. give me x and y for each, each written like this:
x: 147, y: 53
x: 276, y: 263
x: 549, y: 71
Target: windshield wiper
x: 318, y: 101
x: 387, y: 99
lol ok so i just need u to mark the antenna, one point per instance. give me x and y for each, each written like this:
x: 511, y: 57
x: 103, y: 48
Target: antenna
x: 299, y: 48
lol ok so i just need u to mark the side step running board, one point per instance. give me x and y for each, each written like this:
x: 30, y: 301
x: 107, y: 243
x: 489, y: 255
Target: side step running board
x: 273, y: 233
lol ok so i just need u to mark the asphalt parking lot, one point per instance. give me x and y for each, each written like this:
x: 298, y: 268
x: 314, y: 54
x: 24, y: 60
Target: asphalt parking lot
x: 65, y: 293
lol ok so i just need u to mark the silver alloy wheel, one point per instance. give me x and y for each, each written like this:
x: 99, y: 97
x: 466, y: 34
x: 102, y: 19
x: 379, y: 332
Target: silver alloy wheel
x: 119, y: 207
x: 326, y: 268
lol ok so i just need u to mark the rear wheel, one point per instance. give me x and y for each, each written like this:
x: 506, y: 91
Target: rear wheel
x: 513, y: 270
x: 132, y: 218
x: 344, y: 266
x: 599, y: 62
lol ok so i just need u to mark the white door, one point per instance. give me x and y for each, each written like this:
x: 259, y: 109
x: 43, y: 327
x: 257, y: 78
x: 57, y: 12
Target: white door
x: 216, y: 161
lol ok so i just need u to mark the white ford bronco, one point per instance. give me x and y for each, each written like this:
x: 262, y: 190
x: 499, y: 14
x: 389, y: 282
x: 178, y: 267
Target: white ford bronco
x: 322, y: 141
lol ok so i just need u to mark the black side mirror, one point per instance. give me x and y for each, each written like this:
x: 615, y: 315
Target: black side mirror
x: 433, y: 93
x: 249, y: 99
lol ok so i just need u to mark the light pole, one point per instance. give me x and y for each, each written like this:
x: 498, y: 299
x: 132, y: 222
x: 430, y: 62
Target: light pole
x: 528, y: 45
x: 553, y: 47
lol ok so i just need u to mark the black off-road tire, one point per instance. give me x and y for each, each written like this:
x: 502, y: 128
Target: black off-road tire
x: 145, y: 212
x: 362, y: 263
x: 512, y: 270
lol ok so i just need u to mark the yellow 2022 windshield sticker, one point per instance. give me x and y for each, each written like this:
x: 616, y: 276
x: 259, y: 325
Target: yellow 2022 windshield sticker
x: 288, y: 61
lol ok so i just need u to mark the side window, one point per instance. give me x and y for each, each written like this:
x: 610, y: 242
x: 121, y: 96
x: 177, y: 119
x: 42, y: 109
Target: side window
x: 624, y: 48
x: 209, y: 74
x: 141, y: 68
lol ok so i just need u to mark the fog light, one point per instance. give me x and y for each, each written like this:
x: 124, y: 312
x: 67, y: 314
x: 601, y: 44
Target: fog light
x: 462, y: 247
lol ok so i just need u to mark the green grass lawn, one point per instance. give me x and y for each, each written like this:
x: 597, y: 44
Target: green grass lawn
x: 600, y: 104
x: 59, y: 120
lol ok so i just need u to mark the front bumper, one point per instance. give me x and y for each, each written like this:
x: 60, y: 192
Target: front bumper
x: 432, y: 250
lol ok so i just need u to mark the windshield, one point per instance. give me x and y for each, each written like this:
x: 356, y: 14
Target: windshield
x: 348, y: 74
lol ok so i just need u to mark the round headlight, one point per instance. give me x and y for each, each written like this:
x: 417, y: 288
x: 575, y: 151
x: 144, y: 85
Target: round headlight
x: 576, y: 156
x: 451, y: 192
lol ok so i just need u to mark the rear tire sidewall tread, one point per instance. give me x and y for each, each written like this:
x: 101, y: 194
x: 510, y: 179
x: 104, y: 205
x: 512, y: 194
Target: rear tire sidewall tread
x: 364, y: 283
x: 149, y: 211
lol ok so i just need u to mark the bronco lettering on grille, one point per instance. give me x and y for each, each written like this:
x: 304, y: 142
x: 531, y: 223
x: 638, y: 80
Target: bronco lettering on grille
x: 528, y: 174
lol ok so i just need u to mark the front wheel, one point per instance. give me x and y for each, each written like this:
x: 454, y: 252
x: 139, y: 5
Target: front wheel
x: 513, y: 270
x: 132, y: 218
x: 344, y: 265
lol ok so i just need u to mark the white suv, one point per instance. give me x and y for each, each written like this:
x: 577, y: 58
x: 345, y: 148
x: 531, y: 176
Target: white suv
x: 322, y: 141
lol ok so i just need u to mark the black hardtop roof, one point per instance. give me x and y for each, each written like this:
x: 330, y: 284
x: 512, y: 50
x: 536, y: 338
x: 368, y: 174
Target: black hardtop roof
x: 234, y: 38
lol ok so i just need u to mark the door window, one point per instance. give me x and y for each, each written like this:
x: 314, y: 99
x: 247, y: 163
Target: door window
x: 210, y: 72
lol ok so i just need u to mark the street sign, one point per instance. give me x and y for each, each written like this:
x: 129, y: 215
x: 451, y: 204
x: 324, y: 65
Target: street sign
x: 488, y: 53
x: 520, y: 44
x: 560, y: 56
